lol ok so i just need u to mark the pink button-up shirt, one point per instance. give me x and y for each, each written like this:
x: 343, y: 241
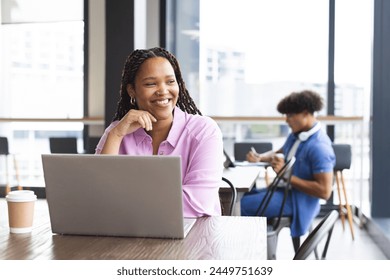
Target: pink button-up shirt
x: 198, y: 140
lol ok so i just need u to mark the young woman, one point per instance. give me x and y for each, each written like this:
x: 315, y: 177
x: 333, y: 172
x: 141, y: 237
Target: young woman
x: 157, y: 116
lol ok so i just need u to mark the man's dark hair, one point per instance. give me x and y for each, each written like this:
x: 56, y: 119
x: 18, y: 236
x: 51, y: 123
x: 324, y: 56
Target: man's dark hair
x: 130, y: 69
x: 297, y: 102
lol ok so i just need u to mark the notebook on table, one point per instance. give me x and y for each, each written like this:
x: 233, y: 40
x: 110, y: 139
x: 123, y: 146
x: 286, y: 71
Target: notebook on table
x: 115, y: 195
x: 230, y: 163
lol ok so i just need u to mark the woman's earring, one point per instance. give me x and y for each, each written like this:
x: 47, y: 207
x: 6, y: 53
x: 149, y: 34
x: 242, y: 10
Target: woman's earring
x: 132, y: 100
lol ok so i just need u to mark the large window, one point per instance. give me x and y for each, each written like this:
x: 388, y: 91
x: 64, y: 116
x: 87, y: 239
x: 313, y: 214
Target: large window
x: 353, y: 59
x: 252, y: 53
x: 259, y: 51
x: 352, y: 72
x: 42, y: 70
x: 41, y: 64
x: 240, y: 57
x: 42, y: 58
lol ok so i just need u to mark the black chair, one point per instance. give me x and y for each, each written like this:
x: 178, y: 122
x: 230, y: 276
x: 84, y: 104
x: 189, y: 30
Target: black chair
x: 242, y: 148
x: 343, y: 154
x: 63, y: 145
x: 228, y: 206
x: 4, y: 150
x: 275, y: 225
x: 322, y: 230
x: 91, y: 144
x: 4, y: 146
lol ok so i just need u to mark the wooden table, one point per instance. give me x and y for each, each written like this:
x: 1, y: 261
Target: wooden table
x: 243, y: 178
x: 229, y: 238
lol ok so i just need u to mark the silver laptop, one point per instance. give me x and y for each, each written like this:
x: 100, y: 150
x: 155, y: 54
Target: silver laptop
x: 135, y: 196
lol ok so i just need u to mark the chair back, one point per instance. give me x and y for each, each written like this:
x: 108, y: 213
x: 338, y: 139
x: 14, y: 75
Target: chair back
x: 4, y: 146
x: 274, y: 185
x: 92, y: 142
x: 233, y: 198
x: 322, y: 230
x: 242, y: 148
x: 343, y: 153
x: 63, y: 145
x: 274, y: 225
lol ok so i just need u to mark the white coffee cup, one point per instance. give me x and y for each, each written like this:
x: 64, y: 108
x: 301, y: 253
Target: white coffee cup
x: 279, y: 155
x: 21, y: 210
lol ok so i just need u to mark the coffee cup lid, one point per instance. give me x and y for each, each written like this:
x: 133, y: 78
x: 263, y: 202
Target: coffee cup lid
x: 20, y: 196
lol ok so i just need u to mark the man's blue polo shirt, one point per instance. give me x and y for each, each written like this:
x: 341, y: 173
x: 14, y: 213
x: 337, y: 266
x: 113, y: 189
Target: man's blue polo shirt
x: 313, y: 156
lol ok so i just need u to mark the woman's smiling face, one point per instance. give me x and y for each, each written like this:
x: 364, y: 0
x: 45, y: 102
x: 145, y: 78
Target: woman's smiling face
x: 156, y: 89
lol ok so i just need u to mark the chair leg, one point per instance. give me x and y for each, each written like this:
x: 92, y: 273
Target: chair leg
x: 323, y: 256
x: 272, y: 243
x: 296, y: 243
x: 341, y: 208
x: 349, y: 211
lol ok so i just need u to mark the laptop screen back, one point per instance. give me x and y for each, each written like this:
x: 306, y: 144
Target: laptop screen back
x: 138, y: 196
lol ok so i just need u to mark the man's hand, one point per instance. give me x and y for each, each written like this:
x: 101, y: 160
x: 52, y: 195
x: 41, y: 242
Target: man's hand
x: 277, y: 162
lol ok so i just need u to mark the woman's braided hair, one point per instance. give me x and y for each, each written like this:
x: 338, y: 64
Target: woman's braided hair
x: 130, y: 70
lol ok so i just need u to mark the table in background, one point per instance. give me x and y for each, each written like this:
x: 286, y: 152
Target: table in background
x: 243, y: 178
x: 228, y: 238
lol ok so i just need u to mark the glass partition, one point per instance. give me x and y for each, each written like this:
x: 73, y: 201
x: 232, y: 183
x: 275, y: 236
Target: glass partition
x: 240, y: 57
x: 42, y: 76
